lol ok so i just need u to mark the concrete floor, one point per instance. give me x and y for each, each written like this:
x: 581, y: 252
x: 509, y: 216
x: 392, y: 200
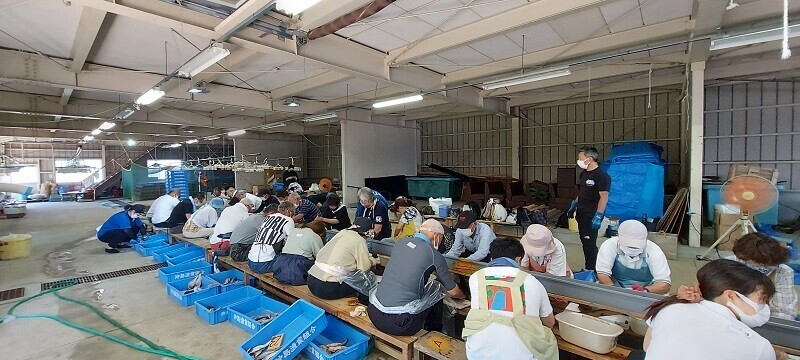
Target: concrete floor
x: 143, y: 304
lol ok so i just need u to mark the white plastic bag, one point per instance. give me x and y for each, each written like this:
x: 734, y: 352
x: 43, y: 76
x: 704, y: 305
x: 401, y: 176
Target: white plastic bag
x: 435, y: 202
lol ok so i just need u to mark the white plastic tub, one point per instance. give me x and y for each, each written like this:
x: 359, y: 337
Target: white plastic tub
x: 588, y: 332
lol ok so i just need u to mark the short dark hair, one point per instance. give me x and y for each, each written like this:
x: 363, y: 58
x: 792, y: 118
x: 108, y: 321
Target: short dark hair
x: 200, y: 196
x: 333, y: 200
x: 263, y: 191
x: 271, y: 208
x: 291, y: 166
x: 506, y: 247
x: 761, y: 249
x: 590, y: 151
x: 282, y: 194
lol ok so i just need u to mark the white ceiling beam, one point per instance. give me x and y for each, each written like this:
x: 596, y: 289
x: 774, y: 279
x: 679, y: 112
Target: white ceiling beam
x: 511, y: 20
x: 756, y: 10
x: 85, y: 37
x: 241, y: 17
x: 644, y: 34
x: 308, y: 84
x: 328, y: 10
x: 709, y: 14
x: 65, y: 96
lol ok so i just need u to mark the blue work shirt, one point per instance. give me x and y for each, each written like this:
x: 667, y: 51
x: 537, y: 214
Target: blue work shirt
x: 120, y: 221
x: 478, y: 243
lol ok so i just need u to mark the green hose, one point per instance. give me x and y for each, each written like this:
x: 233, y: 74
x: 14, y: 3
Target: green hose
x: 151, y: 348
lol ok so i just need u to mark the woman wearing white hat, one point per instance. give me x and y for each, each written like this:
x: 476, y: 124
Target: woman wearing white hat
x: 543, y: 252
x: 631, y: 261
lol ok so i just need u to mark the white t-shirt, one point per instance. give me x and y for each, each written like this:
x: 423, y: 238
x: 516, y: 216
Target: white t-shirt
x: 556, y: 262
x: 656, y: 260
x: 162, y: 208
x: 253, y: 199
x: 499, y: 341
x: 273, y: 230
x: 205, y: 217
x: 228, y: 220
x: 704, y: 331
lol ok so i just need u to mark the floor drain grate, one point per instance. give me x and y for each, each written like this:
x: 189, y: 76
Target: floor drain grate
x: 104, y: 276
x: 12, y: 294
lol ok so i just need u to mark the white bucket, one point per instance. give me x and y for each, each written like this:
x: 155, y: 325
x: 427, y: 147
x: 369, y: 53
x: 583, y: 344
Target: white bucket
x: 588, y: 332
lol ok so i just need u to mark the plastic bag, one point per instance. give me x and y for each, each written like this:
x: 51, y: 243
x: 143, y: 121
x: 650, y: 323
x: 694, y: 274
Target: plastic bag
x: 432, y: 294
x: 363, y: 282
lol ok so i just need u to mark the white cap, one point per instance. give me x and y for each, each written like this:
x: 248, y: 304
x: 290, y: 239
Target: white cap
x: 632, y: 234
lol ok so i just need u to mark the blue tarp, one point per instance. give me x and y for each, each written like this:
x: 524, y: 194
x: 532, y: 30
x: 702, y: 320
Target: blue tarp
x: 637, y: 181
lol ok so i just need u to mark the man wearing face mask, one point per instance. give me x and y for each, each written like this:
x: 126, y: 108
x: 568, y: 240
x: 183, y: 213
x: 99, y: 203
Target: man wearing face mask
x: 631, y: 261
x: 473, y: 239
x: 589, y: 207
x: 121, y: 228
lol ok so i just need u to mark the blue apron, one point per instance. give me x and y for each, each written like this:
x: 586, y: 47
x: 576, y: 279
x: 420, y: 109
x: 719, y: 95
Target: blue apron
x: 623, y: 276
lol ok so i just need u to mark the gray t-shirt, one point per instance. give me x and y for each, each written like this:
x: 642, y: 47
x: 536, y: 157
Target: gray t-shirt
x: 245, y: 232
x: 411, y: 265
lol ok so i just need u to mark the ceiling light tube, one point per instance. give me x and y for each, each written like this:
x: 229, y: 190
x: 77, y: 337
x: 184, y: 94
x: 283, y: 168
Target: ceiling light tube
x: 291, y: 102
x: 319, y: 117
x: 193, y: 141
x: 126, y: 113
x: 397, y: 101
x: 96, y: 131
x: 88, y: 138
x: 150, y: 96
x: 215, y: 137
x: 203, y: 60
x: 272, y: 126
x: 755, y: 37
x: 237, y: 132
x: 526, y: 78
x: 131, y: 142
x: 175, y: 145
x: 106, y: 125
x: 294, y: 7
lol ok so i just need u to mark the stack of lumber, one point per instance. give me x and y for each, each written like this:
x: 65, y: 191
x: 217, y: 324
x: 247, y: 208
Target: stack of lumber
x: 673, y: 219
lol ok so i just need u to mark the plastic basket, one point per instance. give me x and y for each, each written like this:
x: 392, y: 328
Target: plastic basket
x: 227, y: 274
x: 159, y: 236
x: 244, y: 313
x: 159, y: 254
x: 586, y: 275
x: 214, y: 310
x: 147, y: 248
x: 338, y: 331
x: 588, y: 332
x: 175, y: 290
x: 300, y: 324
x: 185, y: 258
x: 188, y: 250
x: 182, y: 271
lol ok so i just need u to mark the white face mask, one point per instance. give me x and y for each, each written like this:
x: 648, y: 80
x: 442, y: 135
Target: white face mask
x: 631, y: 252
x: 759, y: 318
x: 582, y: 164
x: 135, y: 216
x: 465, y: 232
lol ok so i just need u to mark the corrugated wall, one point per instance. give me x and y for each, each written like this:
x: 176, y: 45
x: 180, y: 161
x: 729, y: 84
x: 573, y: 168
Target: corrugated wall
x: 552, y: 135
x: 324, y: 156
x: 754, y: 123
x: 477, y: 145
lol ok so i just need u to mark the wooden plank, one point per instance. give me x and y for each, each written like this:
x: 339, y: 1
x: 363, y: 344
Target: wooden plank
x: 675, y: 216
x: 440, y: 346
x: 619, y: 352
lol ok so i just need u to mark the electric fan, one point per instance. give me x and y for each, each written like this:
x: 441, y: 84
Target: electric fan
x: 753, y: 195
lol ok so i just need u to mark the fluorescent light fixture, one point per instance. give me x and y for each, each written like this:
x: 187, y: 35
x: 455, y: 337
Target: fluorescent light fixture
x: 96, y: 131
x: 175, y: 145
x: 755, y: 37
x: 397, y: 101
x: 150, y: 96
x: 237, y: 132
x: 291, y: 102
x: 203, y: 60
x: 215, y: 137
x: 193, y: 141
x: 272, y: 126
x: 526, y: 78
x: 294, y: 7
x: 125, y: 113
x: 88, y: 138
x: 199, y: 90
x: 319, y: 117
x: 106, y: 125
x: 131, y: 142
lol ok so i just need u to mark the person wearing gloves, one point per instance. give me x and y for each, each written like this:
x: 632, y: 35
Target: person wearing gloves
x: 121, y: 227
x: 543, y: 252
x: 713, y: 320
x: 201, y: 224
x: 473, y: 236
x: 510, y: 315
x: 589, y: 207
x: 631, y: 261
x: 404, y: 301
x: 768, y: 256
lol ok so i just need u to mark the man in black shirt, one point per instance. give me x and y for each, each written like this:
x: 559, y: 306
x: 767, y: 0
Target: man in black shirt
x: 183, y: 211
x: 590, y: 205
x: 334, y: 213
x: 290, y: 176
x: 266, y: 200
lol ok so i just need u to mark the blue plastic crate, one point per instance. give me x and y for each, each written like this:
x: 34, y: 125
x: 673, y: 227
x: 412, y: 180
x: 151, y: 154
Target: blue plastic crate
x: 214, y: 310
x: 175, y: 290
x: 222, y: 275
x: 244, y: 313
x: 147, y: 248
x: 182, y: 271
x: 300, y: 324
x: 188, y: 250
x: 159, y: 255
x: 586, y: 275
x: 158, y: 236
x: 187, y: 258
x: 337, y: 331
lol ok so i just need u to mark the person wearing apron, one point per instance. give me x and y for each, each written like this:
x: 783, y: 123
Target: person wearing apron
x: 631, y: 261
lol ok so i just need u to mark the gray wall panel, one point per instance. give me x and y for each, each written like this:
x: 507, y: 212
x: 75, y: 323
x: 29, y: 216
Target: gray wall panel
x: 478, y: 144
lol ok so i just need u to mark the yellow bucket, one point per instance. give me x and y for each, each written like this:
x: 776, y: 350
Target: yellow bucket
x: 573, y: 224
x: 15, y: 246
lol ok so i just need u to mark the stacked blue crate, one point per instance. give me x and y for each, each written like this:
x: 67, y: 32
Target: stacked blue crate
x: 179, y: 179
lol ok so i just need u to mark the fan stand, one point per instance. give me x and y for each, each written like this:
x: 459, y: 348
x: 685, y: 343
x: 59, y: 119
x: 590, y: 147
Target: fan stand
x: 743, y: 222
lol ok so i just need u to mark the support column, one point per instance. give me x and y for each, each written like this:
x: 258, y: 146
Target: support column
x: 696, y: 151
x: 515, y: 148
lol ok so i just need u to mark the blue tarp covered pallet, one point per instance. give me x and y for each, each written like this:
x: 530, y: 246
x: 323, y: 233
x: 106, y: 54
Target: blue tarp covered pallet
x: 637, y: 181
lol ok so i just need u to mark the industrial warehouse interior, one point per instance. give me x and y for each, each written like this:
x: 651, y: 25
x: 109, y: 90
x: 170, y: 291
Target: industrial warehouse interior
x: 399, y: 179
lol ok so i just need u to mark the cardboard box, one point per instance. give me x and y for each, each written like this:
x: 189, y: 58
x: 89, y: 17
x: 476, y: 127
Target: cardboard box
x: 769, y: 174
x: 723, y: 222
x: 667, y: 242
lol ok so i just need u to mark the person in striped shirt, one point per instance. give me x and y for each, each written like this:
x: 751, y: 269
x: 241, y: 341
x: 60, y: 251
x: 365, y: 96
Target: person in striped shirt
x: 270, y: 238
x: 305, y: 211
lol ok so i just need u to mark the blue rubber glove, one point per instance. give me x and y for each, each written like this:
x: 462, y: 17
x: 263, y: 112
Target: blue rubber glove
x: 572, y: 208
x: 597, y: 220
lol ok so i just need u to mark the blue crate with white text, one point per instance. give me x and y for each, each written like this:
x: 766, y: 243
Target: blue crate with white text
x: 246, y: 313
x: 182, y: 271
x: 214, y: 310
x: 300, y: 324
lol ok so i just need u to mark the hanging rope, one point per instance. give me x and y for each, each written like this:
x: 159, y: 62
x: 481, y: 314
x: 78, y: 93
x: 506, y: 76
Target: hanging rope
x: 786, y: 53
x: 649, y: 85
